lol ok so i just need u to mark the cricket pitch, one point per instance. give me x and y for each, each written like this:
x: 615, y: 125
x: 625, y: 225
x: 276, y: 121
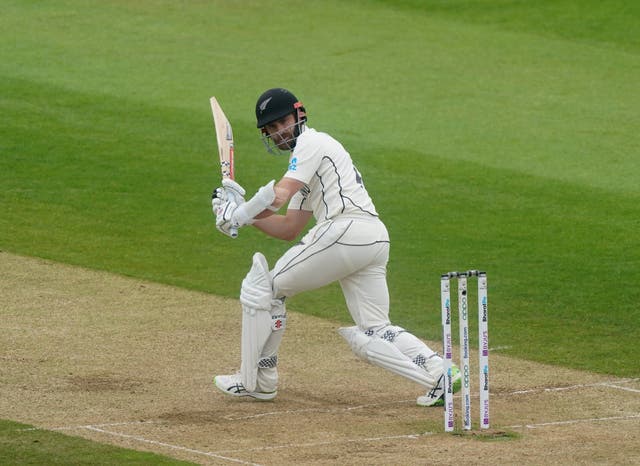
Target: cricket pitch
x: 130, y: 363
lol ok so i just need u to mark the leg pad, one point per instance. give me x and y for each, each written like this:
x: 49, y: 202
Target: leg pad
x: 379, y: 348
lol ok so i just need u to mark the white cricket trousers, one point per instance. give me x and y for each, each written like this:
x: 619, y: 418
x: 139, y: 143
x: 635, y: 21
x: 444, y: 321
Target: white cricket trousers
x: 351, y: 250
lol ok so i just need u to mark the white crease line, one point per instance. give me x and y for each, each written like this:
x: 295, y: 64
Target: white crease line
x: 574, y: 421
x: 627, y: 389
x: 231, y: 417
x: 168, y: 445
x: 328, y: 442
x: 111, y: 424
x: 576, y: 387
x: 498, y: 348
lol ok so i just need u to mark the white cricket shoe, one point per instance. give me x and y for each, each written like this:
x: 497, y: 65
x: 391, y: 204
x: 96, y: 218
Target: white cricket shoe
x: 435, y: 396
x: 232, y: 385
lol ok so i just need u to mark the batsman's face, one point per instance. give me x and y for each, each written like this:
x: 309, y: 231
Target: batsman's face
x: 281, y: 131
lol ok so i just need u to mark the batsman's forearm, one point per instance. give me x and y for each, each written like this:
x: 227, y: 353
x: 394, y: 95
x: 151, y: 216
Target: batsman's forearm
x: 285, y: 227
x: 275, y: 226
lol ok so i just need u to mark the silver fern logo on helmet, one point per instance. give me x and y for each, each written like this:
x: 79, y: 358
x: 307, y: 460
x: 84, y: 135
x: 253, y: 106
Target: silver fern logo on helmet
x: 264, y: 104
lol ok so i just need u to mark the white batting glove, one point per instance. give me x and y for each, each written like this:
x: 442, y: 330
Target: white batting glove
x: 224, y: 212
x: 233, y: 190
x: 218, y: 196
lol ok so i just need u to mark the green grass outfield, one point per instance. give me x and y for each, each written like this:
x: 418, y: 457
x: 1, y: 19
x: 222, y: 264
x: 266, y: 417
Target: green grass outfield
x: 492, y: 134
x: 21, y: 444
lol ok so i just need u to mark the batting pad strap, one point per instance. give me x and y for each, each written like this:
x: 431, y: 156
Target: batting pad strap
x: 261, y: 201
x: 268, y: 362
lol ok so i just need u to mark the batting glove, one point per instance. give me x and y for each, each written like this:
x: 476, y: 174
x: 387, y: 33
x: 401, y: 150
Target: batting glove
x: 224, y: 213
x: 233, y: 191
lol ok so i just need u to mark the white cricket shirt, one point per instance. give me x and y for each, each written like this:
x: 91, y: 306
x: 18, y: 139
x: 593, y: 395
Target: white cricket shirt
x: 333, y: 185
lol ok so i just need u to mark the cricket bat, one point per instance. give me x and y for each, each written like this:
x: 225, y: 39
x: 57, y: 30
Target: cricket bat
x: 224, y: 136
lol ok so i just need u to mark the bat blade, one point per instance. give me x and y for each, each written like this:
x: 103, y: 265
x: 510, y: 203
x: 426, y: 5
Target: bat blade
x: 224, y: 136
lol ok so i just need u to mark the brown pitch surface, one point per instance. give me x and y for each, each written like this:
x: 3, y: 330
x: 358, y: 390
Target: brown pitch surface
x: 130, y: 363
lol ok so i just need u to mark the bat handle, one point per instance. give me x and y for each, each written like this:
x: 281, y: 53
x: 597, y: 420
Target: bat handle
x: 233, y: 232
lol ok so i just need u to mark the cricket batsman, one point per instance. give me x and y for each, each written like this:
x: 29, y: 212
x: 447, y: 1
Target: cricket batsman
x: 348, y: 244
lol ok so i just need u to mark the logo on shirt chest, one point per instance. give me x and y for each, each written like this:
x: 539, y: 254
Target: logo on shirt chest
x: 293, y: 164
